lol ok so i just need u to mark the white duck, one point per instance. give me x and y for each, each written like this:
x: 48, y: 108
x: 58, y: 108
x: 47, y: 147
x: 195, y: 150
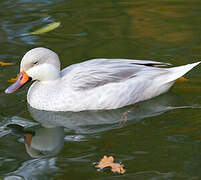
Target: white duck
x: 92, y: 85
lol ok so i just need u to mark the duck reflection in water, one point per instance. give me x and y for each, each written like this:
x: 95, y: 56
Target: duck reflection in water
x: 42, y: 141
x: 87, y: 122
x: 48, y: 140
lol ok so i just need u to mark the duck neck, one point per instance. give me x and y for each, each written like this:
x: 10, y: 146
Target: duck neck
x: 50, y: 74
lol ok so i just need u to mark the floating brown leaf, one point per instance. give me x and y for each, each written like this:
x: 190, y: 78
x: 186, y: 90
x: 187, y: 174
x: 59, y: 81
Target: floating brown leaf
x: 108, y: 161
x: 13, y: 79
x: 5, y: 63
x: 181, y: 79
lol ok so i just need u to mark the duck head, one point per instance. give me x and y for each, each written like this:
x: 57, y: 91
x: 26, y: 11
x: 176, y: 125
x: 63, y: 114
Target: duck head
x: 40, y: 64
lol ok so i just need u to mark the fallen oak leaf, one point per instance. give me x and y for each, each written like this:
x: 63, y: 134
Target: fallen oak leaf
x: 13, y: 79
x: 109, y: 162
x: 105, y: 162
x: 119, y: 168
x: 5, y: 63
x: 46, y: 28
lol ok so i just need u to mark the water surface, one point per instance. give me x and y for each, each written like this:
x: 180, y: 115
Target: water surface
x: 161, y: 138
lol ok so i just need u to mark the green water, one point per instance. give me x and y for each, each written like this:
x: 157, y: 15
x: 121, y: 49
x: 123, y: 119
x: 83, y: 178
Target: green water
x: 161, y: 138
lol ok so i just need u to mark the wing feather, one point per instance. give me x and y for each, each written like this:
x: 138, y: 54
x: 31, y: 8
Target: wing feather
x: 98, y: 72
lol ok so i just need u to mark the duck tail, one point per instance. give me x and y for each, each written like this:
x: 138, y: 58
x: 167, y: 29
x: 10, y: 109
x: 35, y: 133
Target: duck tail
x: 177, y: 72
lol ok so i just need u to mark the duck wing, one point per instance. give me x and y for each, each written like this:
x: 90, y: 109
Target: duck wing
x: 99, y: 72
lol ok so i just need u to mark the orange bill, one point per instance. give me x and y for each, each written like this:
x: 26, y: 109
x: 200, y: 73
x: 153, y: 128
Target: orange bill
x: 28, y: 139
x: 21, y: 81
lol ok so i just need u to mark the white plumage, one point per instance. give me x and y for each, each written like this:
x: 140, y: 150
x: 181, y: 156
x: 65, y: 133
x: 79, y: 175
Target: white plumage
x: 95, y: 84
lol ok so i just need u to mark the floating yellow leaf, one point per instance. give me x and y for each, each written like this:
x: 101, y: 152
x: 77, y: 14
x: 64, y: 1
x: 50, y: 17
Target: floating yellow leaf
x: 47, y: 28
x: 13, y: 79
x: 181, y: 79
x: 108, y: 161
x: 5, y: 63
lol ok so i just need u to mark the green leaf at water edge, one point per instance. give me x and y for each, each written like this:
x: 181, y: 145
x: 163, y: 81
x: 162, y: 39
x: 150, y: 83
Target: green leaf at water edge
x: 47, y: 28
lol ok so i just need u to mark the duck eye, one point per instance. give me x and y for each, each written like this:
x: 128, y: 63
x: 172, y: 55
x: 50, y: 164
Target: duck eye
x: 36, y: 62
